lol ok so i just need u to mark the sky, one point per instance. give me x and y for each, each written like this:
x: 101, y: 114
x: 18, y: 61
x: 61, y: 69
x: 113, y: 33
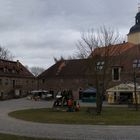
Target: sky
x: 36, y: 31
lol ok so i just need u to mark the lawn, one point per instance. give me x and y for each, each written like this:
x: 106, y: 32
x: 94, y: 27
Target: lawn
x: 14, y: 137
x: 109, y: 116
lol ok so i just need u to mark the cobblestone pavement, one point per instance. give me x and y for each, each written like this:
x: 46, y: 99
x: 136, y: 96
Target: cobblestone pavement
x: 59, y: 131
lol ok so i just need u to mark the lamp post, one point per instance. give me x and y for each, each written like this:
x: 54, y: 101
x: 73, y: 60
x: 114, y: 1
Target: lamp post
x: 135, y: 65
x: 99, y: 85
x: 135, y: 90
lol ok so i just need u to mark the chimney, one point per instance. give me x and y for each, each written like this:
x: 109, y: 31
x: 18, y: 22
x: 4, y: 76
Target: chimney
x: 18, y: 63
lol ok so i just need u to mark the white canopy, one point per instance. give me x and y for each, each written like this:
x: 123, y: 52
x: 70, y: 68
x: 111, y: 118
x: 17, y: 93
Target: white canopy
x: 124, y: 88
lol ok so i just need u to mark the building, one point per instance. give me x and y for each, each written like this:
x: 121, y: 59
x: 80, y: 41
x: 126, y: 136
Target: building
x: 124, y: 61
x: 15, y: 79
x: 66, y: 74
x: 134, y: 33
x: 123, y: 93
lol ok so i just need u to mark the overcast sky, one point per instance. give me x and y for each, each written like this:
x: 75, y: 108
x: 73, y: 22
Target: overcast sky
x: 35, y: 31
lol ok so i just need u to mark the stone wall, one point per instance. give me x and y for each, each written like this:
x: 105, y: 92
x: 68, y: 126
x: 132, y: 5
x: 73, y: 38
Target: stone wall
x: 10, y: 86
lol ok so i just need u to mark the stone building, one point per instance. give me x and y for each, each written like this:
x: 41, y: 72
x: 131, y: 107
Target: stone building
x: 15, y: 79
x: 66, y: 74
x: 76, y: 74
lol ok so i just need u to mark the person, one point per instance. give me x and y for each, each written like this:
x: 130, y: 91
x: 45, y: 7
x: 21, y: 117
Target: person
x: 80, y: 93
x: 70, y: 105
x: 77, y: 107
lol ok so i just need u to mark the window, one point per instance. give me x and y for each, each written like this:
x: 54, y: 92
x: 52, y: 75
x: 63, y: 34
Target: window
x: 43, y: 81
x: 4, y: 69
x: 13, y: 71
x: 0, y: 81
x: 1, y: 69
x: 116, y: 73
x: 14, y: 83
x: 6, y: 81
x: 136, y: 63
x: 115, y: 96
x: 99, y: 65
x: 61, y: 80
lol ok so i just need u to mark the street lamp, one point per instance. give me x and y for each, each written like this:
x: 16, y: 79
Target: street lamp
x: 99, y: 84
x: 99, y: 65
x: 136, y: 64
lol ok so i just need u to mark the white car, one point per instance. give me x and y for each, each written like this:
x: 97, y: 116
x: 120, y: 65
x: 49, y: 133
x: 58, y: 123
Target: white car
x: 58, y: 95
x: 38, y: 94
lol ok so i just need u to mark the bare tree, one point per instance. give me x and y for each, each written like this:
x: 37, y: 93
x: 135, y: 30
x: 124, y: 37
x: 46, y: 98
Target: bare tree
x: 36, y: 70
x: 5, y: 54
x: 90, y: 47
x: 93, y: 39
x: 61, y: 58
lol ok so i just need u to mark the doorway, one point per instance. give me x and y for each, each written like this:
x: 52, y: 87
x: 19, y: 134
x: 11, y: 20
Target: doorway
x: 125, y: 97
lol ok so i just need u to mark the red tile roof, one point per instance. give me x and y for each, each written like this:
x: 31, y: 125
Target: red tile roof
x: 13, y: 69
x: 67, y: 68
x: 121, y: 55
x: 112, y: 50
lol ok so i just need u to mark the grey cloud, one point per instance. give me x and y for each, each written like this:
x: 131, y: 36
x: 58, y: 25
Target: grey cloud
x: 37, y: 30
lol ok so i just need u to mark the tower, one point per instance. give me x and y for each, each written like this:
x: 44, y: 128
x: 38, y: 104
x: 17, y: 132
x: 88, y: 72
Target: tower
x: 134, y: 33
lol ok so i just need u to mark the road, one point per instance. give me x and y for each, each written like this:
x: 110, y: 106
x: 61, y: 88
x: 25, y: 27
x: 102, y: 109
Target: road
x: 59, y: 131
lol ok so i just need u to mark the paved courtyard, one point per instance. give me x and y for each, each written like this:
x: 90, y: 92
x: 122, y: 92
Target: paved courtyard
x: 59, y: 131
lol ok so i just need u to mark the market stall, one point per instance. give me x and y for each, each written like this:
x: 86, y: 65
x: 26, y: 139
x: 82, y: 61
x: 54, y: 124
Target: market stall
x: 89, y: 95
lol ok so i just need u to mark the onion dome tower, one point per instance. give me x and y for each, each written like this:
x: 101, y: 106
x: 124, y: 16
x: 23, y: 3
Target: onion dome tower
x: 134, y: 33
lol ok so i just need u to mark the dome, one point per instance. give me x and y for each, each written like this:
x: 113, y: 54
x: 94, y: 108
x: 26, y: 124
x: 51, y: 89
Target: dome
x: 136, y: 27
x: 138, y: 15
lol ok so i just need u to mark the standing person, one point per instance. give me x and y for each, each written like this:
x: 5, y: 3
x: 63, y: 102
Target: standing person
x: 77, y: 108
x: 80, y: 93
x: 70, y: 105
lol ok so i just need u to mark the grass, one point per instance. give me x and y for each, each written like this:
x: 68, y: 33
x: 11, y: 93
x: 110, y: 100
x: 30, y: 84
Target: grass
x: 109, y: 116
x: 14, y: 137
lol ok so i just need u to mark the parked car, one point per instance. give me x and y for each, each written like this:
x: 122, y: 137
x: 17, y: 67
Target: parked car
x: 39, y: 94
x: 59, y: 95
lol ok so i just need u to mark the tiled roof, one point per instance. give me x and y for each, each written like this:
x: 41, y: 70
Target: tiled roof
x: 13, y: 69
x: 120, y: 55
x: 112, y: 50
x: 67, y: 68
x: 126, y: 59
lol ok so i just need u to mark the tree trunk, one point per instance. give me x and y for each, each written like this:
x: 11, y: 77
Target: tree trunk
x: 98, y: 98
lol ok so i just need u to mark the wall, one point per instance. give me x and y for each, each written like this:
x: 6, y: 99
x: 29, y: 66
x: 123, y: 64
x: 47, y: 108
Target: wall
x: 9, y: 85
x: 134, y: 38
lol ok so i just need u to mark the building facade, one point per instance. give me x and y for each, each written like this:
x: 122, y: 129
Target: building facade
x: 15, y: 80
x: 66, y: 75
